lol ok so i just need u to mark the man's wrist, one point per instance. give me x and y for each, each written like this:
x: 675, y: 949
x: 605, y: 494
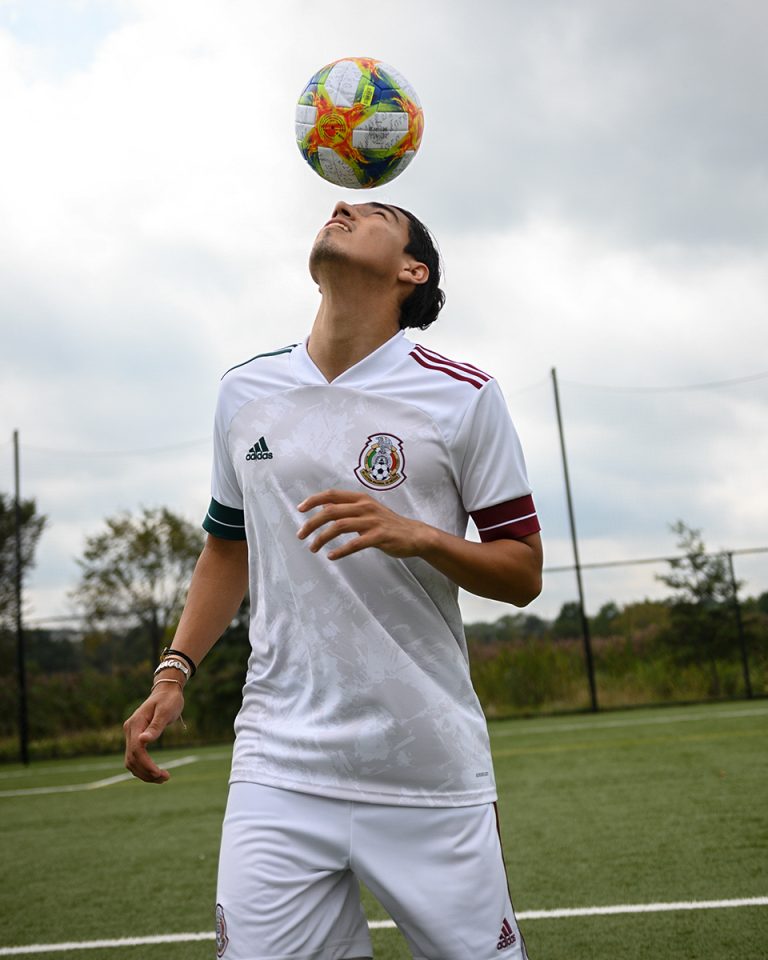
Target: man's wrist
x: 166, y: 682
x: 428, y: 541
x: 170, y: 671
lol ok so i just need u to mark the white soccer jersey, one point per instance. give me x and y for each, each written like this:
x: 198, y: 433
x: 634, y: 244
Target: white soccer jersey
x: 358, y: 683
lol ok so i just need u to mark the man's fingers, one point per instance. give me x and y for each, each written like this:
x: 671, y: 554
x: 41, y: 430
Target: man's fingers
x: 345, y: 512
x: 153, y: 731
x: 161, y: 717
x: 348, y: 525
x: 354, y: 546
x: 141, y: 764
x: 144, y: 768
x: 142, y: 728
x: 329, y: 514
x: 326, y: 515
x: 328, y: 496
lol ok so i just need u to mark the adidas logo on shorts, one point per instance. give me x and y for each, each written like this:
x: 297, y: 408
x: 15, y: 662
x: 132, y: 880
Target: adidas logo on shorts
x: 259, y: 451
x: 507, y: 936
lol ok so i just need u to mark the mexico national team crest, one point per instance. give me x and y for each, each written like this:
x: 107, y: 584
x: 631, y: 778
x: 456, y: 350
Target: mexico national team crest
x: 221, y: 931
x: 382, y: 462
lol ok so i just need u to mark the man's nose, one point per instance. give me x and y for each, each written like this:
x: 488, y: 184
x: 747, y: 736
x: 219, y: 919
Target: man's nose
x: 343, y: 210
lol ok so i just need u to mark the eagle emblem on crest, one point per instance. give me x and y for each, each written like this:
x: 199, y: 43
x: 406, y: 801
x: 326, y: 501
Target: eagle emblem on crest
x: 382, y: 462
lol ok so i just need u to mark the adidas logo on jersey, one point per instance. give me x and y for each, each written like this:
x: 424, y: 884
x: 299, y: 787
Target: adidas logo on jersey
x: 259, y: 451
x: 507, y: 936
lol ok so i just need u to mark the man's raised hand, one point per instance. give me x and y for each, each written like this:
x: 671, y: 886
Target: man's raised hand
x: 344, y: 511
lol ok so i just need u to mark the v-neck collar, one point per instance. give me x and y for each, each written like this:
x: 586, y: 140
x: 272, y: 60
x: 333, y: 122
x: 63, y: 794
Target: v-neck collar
x: 365, y: 371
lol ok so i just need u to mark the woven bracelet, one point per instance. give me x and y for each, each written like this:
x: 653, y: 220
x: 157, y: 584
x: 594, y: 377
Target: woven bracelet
x: 169, y: 651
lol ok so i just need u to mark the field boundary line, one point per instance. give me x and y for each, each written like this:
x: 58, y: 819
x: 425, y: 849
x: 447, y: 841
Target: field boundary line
x: 52, y: 769
x: 390, y: 924
x: 106, y: 944
x: 618, y: 744
x: 641, y: 908
x: 93, y: 785
x: 600, y: 724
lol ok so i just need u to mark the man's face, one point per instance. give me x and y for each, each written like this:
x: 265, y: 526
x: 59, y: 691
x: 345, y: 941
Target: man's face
x: 372, y: 236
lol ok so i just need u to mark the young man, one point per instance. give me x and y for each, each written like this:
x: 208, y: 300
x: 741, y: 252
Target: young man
x: 345, y: 469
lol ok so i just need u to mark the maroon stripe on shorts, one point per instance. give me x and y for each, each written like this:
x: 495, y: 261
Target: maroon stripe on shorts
x: 523, y: 947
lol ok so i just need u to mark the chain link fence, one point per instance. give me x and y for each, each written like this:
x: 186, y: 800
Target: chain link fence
x: 648, y: 649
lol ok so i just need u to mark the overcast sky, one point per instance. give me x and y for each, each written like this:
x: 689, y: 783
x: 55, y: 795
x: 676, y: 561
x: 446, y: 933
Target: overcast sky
x: 595, y: 173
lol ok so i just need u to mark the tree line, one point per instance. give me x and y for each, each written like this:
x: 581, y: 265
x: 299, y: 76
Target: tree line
x: 134, y: 574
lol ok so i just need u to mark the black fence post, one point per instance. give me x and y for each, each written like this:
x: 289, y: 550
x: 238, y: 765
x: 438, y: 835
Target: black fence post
x: 20, y: 647
x: 582, y: 610
x: 740, y: 628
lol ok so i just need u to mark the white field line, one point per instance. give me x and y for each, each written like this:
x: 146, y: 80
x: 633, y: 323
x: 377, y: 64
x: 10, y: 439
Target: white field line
x: 641, y: 908
x: 389, y: 924
x: 35, y: 770
x: 105, y: 944
x: 599, y: 724
x: 43, y: 771
x: 93, y: 785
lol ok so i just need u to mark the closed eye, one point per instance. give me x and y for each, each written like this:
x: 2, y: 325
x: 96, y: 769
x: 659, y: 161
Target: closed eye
x: 385, y: 211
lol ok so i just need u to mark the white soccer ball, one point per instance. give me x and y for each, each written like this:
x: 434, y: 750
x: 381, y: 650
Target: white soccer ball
x: 359, y: 122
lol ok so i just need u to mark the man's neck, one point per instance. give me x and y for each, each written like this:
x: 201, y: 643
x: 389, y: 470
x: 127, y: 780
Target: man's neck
x: 340, y: 338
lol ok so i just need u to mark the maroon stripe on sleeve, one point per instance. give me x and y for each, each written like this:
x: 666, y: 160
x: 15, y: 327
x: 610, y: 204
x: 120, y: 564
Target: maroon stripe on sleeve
x: 444, y: 361
x: 446, y: 370
x: 510, y: 520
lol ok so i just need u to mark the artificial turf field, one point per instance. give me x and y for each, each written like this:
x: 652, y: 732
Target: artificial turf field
x: 633, y: 807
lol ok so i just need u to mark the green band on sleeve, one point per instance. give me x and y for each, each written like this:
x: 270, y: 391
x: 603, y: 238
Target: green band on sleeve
x: 224, y: 522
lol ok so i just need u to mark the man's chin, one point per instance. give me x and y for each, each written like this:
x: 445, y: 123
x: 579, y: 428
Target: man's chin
x: 324, y: 250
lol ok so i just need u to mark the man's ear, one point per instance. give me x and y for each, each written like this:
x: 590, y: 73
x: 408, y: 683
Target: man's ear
x: 414, y: 272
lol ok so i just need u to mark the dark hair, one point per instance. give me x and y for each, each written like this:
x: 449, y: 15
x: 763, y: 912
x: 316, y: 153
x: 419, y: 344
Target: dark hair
x: 420, y: 308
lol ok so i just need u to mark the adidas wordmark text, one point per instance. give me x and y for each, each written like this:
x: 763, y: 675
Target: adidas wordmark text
x: 259, y: 451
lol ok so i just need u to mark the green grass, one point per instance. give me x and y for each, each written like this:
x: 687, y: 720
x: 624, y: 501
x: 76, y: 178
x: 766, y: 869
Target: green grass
x: 627, y: 807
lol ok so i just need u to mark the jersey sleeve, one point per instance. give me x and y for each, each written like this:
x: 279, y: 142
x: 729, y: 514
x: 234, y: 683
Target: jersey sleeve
x: 491, y: 470
x: 225, y: 517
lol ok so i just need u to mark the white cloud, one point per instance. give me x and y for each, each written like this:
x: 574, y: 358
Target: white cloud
x: 594, y: 173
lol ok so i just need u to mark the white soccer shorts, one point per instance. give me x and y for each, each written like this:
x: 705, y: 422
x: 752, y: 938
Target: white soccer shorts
x: 291, y: 863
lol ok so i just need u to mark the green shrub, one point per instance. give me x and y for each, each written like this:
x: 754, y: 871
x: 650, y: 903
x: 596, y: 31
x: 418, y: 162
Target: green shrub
x: 528, y: 676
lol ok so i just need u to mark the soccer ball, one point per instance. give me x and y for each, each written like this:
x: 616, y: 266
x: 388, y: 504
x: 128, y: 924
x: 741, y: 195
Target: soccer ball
x: 358, y: 122
x: 380, y: 468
